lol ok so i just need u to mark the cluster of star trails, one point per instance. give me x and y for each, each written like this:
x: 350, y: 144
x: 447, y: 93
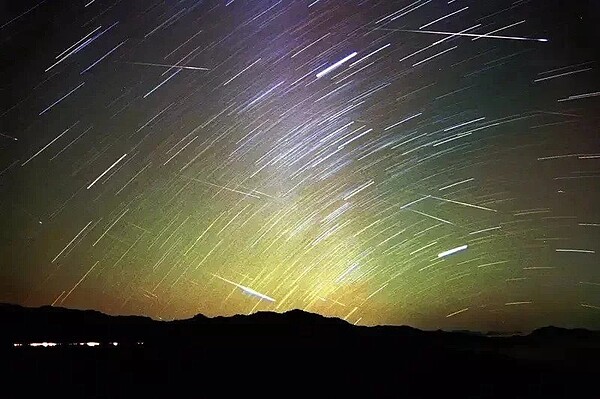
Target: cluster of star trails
x: 431, y: 163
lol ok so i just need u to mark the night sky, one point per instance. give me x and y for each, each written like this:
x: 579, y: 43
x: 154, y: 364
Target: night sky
x: 433, y: 163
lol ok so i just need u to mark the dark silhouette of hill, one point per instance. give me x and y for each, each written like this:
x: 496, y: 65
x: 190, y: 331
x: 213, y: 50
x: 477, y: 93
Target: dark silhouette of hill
x: 290, y: 354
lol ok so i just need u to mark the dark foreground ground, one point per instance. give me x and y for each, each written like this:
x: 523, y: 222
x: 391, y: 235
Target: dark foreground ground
x: 295, y: 354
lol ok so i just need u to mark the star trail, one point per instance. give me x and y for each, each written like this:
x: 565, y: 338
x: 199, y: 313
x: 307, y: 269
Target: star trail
x: 432, y: 163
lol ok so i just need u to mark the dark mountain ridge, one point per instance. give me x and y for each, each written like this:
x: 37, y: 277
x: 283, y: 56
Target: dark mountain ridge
x: 48, y: 323
x: 18, y: 319
x: 275, y: 352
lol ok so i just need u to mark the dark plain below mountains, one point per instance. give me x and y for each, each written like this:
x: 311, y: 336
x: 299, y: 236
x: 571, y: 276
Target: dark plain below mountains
x: 288, y: 355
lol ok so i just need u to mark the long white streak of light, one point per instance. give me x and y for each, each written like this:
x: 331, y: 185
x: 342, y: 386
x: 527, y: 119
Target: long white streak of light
x: 208, y: 254
x: 9, y: 137
x: 369, y: 55
x: 408, y: 141
x: 242, y: 71
x: 442, y: 18
x: 456, y: 137
x: 181, y: 149
x: 106, y: 171
x: 434, y: 43
x: 336, y: 65
x: 468, y: 133
x: 110, y: 227
x: 303, y: 76
x: 483, y: 208
x: 433, y: 32
x: 562, y: 74
x: 193, y: 68
x: 402, y: 121
x: 81, y: 47
x: 266, y: 93
x: 380, y: 288
x: 182, y: 44
x: 354, y: 138
x: 485, y: 230
x: 335, y: 132
x: 71, y: 242
x: 452, y: 251
x: 554, y: 70
x: 262, y: 13
x: 44, y: 147
x: 162, y: 83
x: 358, y: 190
x: 396, y: 12
x: 500, y: 29
x: 310, y: 45
x: 332, y: 92
x: 71, y: 143
x: 500, y: 262
x: 353, y: 73
x: 247, y: 289
x: 60, y: 99
x: 79, y: 282
x: 154, y: 117
x: 409, y: 11
x: 202, y: 235
x: 348, y: 271
x: 339, y: 113
x: 456, y: 184
x: 103, y: 57
x: 457, y: 312
x: 432, y: 217
x: 172, y: 17
x: 422, y: 248
x: 580, y: 96
x: 78, y: 42
x: 579, y: 251
x: 559, y: 157
x: 22, y: 14
x: 414, y: 202
x: 463, y: 124
x: 346, y: 136
x: 226, y: 188
x: 434, y: 56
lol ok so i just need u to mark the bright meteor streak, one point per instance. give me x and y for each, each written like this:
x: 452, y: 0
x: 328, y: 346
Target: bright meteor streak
x: 193, y: 68
x: 336, y: 65
x: 247, y: 290
x: 106, y: 171
x: 452, y: 251
x: 433, y: 32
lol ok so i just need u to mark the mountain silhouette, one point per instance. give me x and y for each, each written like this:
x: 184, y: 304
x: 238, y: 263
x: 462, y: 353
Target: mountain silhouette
x: 289, y: 354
